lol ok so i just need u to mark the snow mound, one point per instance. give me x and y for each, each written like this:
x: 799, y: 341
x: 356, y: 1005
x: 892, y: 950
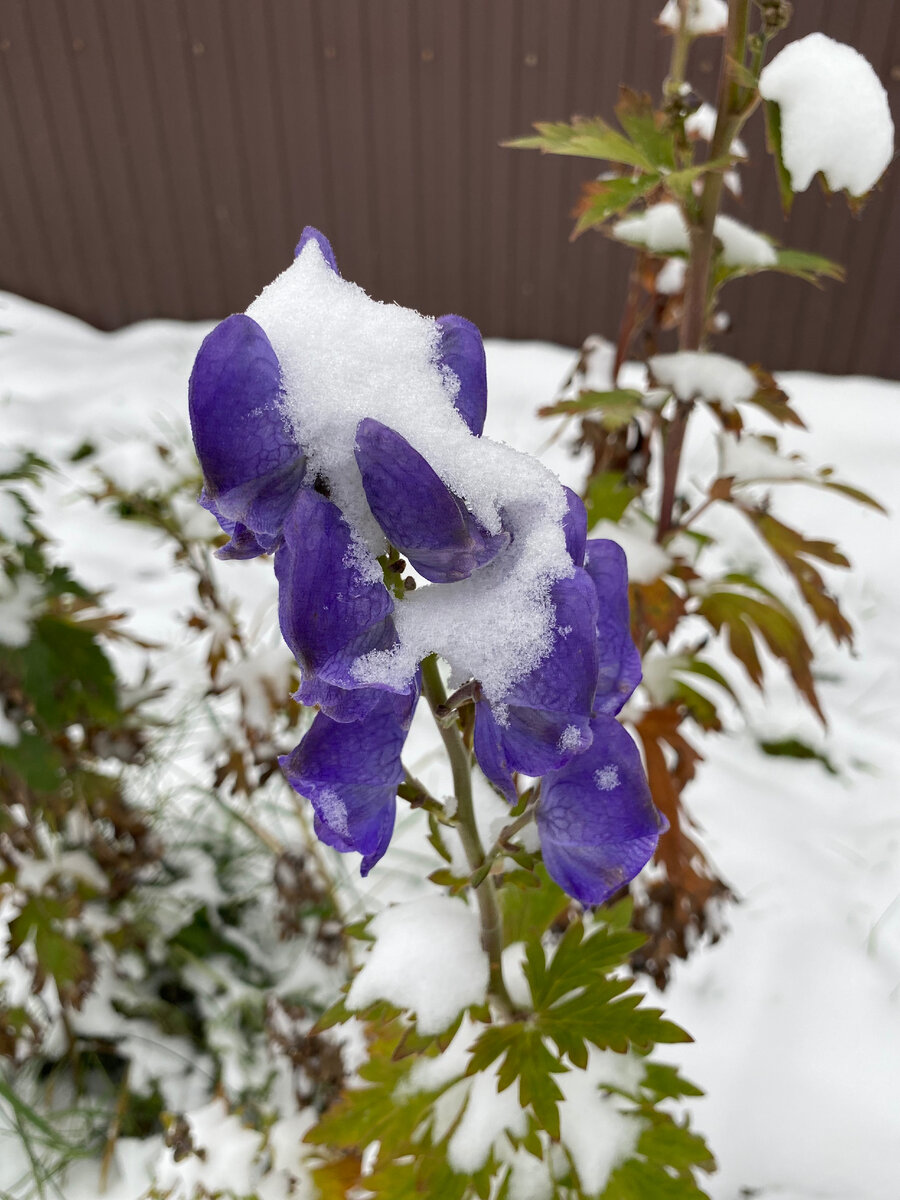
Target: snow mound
x: 835, y: 116
x: 428, y: 958
x: 662, y: 230
x: 691, y: 373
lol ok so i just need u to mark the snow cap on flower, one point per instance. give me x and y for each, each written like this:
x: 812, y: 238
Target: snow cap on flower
x: 311, y: 234
x: 592, y: 668
x: 251, y: 461
x: 596, y: 818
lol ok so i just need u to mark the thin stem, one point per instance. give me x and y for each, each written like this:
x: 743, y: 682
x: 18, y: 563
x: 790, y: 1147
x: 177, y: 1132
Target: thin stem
x: 461, y: 768
x: 732, y: 112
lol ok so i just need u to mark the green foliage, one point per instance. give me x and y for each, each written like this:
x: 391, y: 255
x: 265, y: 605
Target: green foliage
x: 579, y: 999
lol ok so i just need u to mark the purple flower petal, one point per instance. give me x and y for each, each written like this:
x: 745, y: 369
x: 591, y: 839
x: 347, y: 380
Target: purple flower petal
x: 620, y: 662
x: 252, y: 465
x: 575, y: 527
x: 546, y: 717
x: 462, y: 350
x: 311, y: 234
x: 243, y: 543
x: 330, y: 614
x: 417, y: 511
x: 350, y: 774
x: 596, y: 819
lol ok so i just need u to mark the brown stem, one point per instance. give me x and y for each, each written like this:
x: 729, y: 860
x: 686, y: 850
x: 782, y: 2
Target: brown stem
x: 729, y: 119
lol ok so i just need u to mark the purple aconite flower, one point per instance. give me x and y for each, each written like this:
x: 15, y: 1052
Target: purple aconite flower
x: 330, y: 613
x: 350, y: 774
x: 252, y: 465
x: 592, y: 667
x: 596, y: 819
x: 258, y: 424
x: 418, y: 513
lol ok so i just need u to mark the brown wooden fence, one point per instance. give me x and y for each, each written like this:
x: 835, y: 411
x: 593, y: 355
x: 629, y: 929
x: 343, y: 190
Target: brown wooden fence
x: 159, y: 158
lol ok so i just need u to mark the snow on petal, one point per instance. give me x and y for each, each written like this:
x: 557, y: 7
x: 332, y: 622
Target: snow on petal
x: 596, y: 819
x: 419, y: 514
x: 693, y: 373
x: 835, y: 116
x: 427, y: 958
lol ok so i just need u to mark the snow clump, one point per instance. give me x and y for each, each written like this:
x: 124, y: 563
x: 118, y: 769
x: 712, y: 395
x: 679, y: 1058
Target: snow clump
x: 692, y: 373
x: 428, y: 958
x: 703, y: 16
x: 835, y: 116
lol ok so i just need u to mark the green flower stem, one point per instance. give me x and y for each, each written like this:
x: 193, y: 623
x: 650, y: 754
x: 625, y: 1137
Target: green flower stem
x: 461, y: 767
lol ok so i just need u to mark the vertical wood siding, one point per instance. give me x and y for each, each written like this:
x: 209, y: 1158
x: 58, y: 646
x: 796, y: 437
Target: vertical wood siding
x: 160, y: 157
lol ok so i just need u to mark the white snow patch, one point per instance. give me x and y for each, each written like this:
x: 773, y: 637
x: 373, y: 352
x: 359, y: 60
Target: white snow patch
x: 646, y: 560
x: 344, y: 357
x: 701, y: 123
x: 12, y: 518
x: 596, y: 1132
x: 606, y: 777
x: 19, y: 600
x: 512, y: 964
x: 229, y: 1153
x: 9, y: 731
x: 703, y: 16
x: 662, y: 229
x: 751, y: 459
x: 488, y: 1115
x: 570, y: 738
x: 692, y: 373
x: 671, y: 277
x: 835, y: 116
x: 427, y: 957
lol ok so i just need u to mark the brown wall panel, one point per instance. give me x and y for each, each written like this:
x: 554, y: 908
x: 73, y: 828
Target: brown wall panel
x: 160, y: 157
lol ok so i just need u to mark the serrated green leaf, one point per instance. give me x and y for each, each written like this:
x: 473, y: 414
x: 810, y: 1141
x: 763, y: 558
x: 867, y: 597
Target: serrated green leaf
x: 617, y: 407
x: 605, y: 198
x: 584, y: 138
x: 647, y: 129
x: 739, y: 617
x: 664, y: 1081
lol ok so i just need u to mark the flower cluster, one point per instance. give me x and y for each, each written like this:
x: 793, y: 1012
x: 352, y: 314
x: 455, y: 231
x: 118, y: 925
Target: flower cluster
x: 311, y: 468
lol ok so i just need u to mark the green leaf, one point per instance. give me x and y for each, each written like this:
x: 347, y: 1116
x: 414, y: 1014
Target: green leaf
x: 67, y: 676
x: 527, y: 914
x: 794, y: 748
x: 665, y: 1082
x: 584, y: 138
x: 608, y: 496
x: 648, y: 130
x: 617, y: 406
x: 605, y: 198
x: 773, y: 142
x: 739, y: 617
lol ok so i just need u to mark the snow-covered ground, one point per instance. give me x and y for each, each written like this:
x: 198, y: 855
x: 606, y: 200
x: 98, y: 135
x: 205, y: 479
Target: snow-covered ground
x: 796, y: 1012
